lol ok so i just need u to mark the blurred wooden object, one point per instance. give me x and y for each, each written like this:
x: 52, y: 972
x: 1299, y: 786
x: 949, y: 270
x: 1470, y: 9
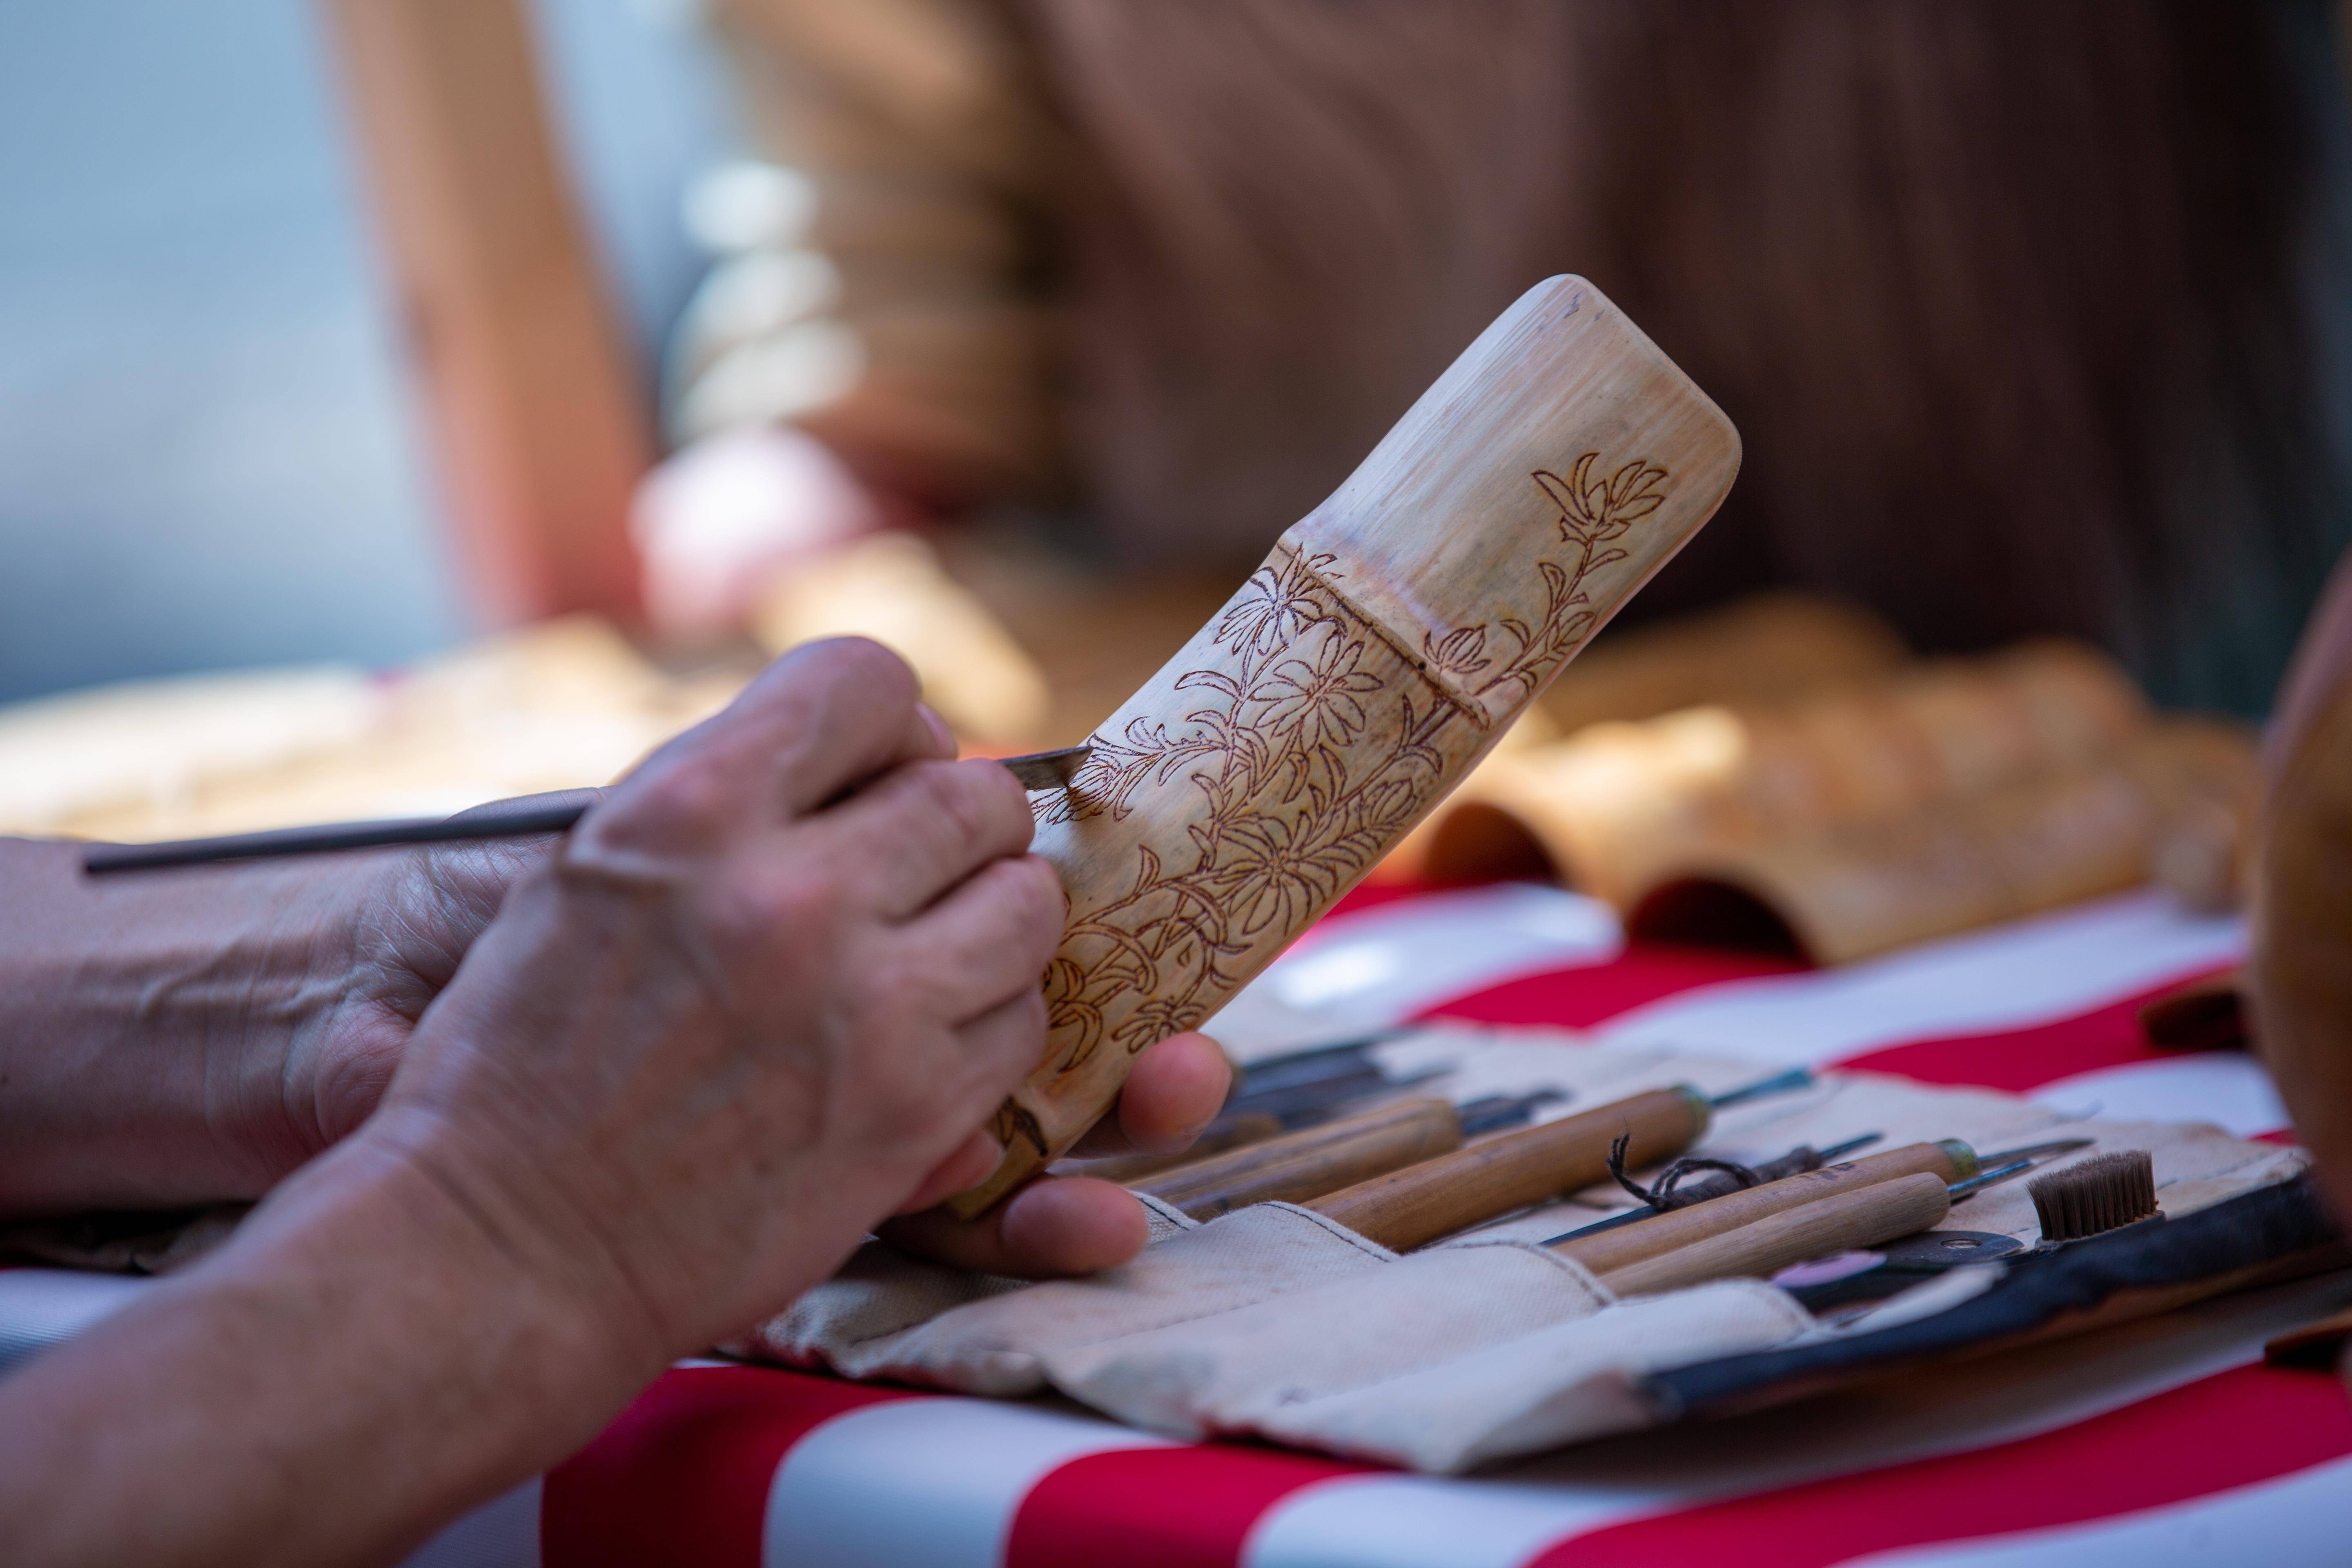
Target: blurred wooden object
x: 889, y: 586
x: 1766, y: 649
x: 1849, y: 892
x: 1866, y: 1216
x: 1606, y: 808
x: 537, y: 409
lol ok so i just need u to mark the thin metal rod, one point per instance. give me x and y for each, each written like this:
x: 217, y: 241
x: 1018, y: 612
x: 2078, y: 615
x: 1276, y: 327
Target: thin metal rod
x: 500, y: 819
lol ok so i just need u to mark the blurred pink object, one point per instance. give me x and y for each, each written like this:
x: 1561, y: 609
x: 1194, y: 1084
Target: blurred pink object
x: 719, y: 522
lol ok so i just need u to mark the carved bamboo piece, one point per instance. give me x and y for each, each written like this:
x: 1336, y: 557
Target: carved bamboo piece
x: 1866, y: 1216
x: 1311, y: 1162
x: 1436, y: 1197
x: 1371, y: 661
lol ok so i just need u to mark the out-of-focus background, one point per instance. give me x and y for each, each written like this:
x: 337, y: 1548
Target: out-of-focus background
x: 408, y: 401
x: 209, y: 451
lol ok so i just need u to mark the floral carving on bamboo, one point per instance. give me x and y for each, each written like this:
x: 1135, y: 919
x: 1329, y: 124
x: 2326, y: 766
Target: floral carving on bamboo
x: 1316, y: 742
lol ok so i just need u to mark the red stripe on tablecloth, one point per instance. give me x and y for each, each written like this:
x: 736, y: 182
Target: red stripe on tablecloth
x: 1591, y: 994
x: 1157, y: 1507
x: 681, y: 1476
x: 2022, y: 1061
x: 2239, y: 1427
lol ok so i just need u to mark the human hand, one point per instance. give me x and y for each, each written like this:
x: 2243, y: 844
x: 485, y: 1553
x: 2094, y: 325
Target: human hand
x: 764, y: 991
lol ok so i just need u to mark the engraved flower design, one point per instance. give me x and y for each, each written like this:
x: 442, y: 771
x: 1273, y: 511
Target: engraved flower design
x: 1275, y: 875
x: 1272, y: 608
x: 1460, y: 652
x: 1319, y: 699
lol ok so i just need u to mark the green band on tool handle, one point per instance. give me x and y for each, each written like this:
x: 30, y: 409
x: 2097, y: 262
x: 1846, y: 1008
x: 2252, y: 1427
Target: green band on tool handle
x: 1964, y: 1159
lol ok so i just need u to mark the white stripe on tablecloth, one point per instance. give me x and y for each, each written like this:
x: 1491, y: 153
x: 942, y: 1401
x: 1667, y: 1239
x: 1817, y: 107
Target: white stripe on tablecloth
x: 2230, y: 1090
x: 1411, y: 1521
x: 2010, y: 977
x: 1370, y: 970
x: 502, y: 1533
x: 2295, y: 1521
x: 921, y: 1483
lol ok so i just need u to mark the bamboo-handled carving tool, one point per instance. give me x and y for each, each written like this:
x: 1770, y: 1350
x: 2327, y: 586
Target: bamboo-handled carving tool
x: 1329, y: 1156
x: 1381, y: 650
x: 498, y: 819
x: 1843, y: 1222
x: 1421, y: 1202
x: 1311, y: 1162
x: 1609, y: 1247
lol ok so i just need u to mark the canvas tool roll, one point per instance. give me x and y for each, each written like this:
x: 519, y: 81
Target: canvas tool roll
x: 1383, y: 649
x: 1278, y: 1321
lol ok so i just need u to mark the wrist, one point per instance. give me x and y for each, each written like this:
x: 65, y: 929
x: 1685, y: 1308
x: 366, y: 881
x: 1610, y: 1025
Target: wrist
x: 408, y: 1247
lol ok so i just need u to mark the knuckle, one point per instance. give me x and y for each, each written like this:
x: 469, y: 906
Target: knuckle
x: 801, y: 907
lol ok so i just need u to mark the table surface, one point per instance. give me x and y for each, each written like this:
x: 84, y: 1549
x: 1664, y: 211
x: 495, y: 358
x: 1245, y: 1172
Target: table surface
x: 2160, y: 1443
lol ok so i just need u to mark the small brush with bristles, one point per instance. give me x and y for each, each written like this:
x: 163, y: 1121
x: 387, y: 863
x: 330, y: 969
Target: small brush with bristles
x: 2104, y: 1192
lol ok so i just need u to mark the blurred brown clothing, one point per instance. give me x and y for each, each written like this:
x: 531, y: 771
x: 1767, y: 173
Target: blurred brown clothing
x: 2016, y: 303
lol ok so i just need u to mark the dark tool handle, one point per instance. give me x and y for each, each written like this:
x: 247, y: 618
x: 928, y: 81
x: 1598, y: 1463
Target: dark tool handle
x: 499, y: 819
x: 485, y: 821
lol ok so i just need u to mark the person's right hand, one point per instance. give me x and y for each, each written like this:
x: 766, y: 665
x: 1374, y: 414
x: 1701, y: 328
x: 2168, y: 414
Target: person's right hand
x: 768, y: 987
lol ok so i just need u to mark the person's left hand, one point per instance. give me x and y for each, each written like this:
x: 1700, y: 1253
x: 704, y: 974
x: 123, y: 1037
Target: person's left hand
x: 1072, y: 1225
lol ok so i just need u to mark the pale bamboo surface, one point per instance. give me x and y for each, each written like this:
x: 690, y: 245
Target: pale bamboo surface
x: 1436, y: 1197
x: 1863, y: 1217
x: 1311, y: 1162
x: 1379, y: 653
x: 1844, y: 894
x: 1606, y: 1251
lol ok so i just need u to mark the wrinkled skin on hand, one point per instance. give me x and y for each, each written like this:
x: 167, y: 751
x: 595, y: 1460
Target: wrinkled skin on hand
x: 759, y: 1000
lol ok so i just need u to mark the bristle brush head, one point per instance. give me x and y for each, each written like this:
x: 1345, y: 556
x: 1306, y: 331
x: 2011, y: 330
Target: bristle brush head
x: 2104, y: 1192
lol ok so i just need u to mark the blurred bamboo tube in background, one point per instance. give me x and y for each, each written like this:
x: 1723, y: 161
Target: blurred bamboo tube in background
x: 1845, y: 894
x: 1766, y: 649
x: 1387, y: 643
x: 1605, y: 808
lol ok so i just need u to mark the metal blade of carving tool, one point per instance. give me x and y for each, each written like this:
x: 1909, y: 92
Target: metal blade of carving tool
x: 1779, y: 1083
x: 499, y: 819
x: 1985, y: 1178
x: 1047, y: 770
x: 1493, y: 1112
x: 1315, y: 1063
x: 2048, y: 1151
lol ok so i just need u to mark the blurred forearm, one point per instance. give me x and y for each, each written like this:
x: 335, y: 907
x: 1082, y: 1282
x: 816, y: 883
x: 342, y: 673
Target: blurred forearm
x: 146, y: 1024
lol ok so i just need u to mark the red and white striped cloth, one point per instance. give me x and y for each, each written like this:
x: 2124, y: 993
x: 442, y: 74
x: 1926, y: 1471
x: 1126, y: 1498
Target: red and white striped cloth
x: 2158, y: 1445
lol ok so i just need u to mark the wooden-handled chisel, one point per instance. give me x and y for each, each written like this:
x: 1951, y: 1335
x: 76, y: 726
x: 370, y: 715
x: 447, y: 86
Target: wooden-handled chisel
x: 1423, y: 1202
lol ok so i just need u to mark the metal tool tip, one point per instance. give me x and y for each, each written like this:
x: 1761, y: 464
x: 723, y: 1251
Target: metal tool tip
x: 1047, y: 770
